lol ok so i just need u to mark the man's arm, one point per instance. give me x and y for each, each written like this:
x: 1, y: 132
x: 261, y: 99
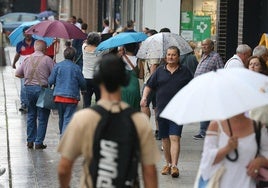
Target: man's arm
x: 149, y: 176
x: 65, y: 172
x: 145, y: 94
x: 16, y: 58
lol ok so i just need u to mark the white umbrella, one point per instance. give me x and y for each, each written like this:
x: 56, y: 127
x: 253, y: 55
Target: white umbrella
x: 156, y: 45
x: 218, y: 95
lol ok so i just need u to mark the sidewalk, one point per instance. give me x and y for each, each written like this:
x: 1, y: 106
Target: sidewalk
x: 34, y: 168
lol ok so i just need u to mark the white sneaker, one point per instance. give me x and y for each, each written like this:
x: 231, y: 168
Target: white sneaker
x: 2, y: 171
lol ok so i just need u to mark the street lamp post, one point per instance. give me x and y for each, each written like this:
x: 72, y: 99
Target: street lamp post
x: 2, y: 49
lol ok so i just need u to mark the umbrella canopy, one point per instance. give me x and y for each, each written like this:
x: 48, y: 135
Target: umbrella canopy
x: 218, y: 95
x: 156, y: 45
x: 17, y: 35
x: 46, y: 14
x: 57, y: 29
x: 121, y: 39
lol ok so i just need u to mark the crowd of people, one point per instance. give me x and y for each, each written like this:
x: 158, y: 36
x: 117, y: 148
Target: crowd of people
x: 162, y: 78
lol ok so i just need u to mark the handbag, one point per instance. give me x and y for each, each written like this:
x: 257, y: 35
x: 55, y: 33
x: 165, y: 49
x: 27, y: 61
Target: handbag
x: 263, y: 172
x: 46, y: 99
x: 213, y: 182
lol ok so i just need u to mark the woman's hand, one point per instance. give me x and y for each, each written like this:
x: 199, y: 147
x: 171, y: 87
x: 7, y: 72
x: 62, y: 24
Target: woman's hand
x: 232, y: 144
x: 254, y: 166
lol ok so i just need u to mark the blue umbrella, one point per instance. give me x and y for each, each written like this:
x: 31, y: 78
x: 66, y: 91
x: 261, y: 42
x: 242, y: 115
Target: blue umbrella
x: 17, y: 35
x: 46, y: 14
x: 121, y: 39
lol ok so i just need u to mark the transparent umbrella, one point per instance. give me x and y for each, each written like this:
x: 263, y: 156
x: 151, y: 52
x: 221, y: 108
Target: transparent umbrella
x: 156, y: 45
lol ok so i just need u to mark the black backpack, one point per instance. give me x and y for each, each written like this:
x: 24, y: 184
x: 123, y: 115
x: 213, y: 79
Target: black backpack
x: 116, y: 150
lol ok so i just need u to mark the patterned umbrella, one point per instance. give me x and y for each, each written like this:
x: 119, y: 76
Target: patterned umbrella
x: 156, y: 46
x: 57, y: 29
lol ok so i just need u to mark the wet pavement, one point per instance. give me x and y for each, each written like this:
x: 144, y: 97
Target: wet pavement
x: 29, y: 168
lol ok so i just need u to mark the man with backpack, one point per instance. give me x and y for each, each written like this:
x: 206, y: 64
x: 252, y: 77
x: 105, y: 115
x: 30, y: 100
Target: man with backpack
x: 112, y: 137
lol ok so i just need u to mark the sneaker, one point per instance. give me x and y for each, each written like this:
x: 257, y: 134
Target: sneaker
x: 198, y: 137
x: 165, y: 170
x: 30, y: 145
x: 23, y: 108
x: 40, y: 146
x: 2, y: 171
x: 175, y: 172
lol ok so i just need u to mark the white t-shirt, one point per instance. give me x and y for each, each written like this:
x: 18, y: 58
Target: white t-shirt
x: 234, y: 62
x: 105, y: 30
x: 90, y: 60
x: 133, y: 60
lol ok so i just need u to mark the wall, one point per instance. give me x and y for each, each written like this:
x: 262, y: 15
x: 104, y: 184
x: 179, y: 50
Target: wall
x: 162, y: 13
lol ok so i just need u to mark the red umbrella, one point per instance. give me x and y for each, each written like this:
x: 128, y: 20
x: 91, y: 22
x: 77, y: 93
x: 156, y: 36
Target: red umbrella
x: 57, y: 29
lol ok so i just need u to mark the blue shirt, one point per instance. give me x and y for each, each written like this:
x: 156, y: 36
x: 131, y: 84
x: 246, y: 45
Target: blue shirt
x: 23, y: 48
x: 167, y: 85
x: 68, y: 79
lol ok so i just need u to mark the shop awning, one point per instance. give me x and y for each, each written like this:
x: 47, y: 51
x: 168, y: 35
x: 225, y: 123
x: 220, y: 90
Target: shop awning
x: 264, y: 40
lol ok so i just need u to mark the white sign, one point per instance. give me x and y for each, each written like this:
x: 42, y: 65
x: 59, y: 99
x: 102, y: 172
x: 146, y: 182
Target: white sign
x: 187, y: 34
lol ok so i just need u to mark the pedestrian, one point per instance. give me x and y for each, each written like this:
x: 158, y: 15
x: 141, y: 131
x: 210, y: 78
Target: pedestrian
x: 36, y: 70
x: 240, y: 59
x: 131, y: 93
x: 23, y: 49
x: 79, y: 136
x: 68, y: 80
x: 77, y: 44
x: 219, y: 146
x: 257, y: 64
x: 106, y: 28
x: 261, y: 51
x: 210, y: 61
x: 90, y: 59
x: 166, y: 81
x: 130, y: 26
x: 2, y: 170
x: 149, y: 67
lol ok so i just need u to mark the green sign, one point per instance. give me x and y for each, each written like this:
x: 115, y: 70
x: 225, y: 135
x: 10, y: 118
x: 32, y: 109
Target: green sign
x: 202, y: 27
x: 187, y: 20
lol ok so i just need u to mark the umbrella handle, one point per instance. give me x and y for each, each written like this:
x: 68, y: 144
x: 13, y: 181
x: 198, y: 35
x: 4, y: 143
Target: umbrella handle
x: 236, y: 152
x: 235, y: 157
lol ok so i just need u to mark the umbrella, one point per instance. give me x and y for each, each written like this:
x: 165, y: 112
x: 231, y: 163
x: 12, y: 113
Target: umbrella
x: 218, y: 95
x: 57, y: 29
x: 17, y: 35
x: 46, y: 14
x: 121, y: 39
x: 156, y: 45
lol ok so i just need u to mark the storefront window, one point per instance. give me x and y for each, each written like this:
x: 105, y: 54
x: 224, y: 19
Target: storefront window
x: 198, y: 21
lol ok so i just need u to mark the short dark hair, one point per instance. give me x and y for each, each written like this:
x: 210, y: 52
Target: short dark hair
x: 111, y: 73
x: 152, y: 31
x: 69, y: 53
x: 174, y: 48
x: 165, y: 29
x: 106, y: 22
x: 131, y: 47
x: 130, y: 23
x: 84, y: 26
x: 25, y: 28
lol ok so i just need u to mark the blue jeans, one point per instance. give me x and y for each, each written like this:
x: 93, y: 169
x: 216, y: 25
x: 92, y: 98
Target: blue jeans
x: 23, y: 97
x: 203, y: 127
x: 92, y: 87
x: 36, y: 132
x: 66, y: 111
